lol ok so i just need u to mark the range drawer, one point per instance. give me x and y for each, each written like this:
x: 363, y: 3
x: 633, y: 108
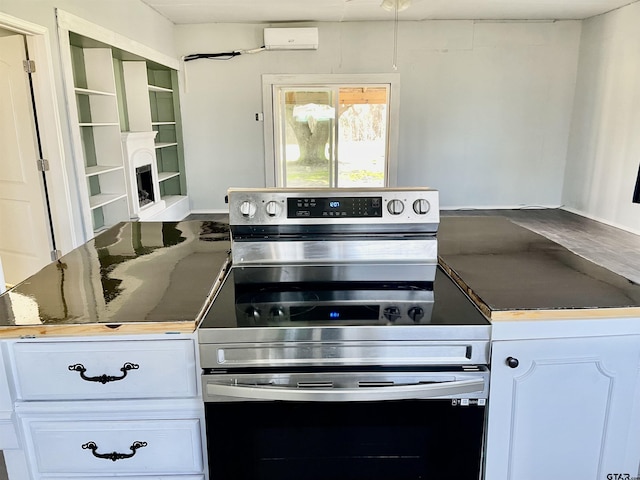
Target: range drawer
x: 105, y: 370
x: 144, y: 447
x: 155, y: 477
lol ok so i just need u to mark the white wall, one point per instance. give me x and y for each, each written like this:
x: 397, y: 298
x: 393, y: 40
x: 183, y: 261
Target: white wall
x: 604, y: 149
x: 484, y: 116
x: 130, y: 18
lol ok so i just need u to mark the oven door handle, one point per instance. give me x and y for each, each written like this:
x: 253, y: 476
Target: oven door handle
x: 363, y: 394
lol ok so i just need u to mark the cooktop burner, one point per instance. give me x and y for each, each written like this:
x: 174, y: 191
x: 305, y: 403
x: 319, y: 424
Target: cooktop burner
x: 328, y: 304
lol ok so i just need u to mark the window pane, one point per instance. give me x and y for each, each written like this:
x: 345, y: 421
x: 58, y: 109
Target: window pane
x: 332, y: 135
x: 309, y: 123
x: 362, y: 137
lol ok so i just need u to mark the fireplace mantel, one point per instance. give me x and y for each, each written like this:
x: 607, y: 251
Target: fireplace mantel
x: 139, y: 151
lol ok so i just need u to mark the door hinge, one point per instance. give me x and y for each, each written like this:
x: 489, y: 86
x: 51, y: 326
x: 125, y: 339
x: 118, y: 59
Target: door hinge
x: 56, y: 255
x: 43, y: 165
x: 29, y: 66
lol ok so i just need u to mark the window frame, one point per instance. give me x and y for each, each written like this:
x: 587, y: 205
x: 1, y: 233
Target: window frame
x: 271, y: 82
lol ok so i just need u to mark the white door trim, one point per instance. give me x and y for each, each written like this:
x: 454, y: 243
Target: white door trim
x: 39, y: 46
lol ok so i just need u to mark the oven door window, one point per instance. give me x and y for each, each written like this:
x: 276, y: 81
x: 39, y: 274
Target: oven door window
x: 396, y: 440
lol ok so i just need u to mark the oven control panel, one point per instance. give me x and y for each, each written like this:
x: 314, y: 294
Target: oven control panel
x: 333, y: 206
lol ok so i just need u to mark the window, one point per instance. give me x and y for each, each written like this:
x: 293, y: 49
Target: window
x: 330, y: 131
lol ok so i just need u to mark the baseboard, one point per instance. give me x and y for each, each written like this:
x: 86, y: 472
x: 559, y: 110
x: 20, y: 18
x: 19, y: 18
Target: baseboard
x: 499, y: 207
x: 210, y: 212
x: 601, y: 220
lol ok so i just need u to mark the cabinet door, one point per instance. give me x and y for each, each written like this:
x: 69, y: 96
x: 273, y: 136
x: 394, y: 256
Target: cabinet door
x: 564, y: 411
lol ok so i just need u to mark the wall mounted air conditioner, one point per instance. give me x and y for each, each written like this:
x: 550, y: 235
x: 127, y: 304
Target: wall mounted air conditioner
x: 291, y: 38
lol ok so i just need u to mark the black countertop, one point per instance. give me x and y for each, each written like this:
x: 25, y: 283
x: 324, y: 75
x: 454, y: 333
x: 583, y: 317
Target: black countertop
x: 158, y: 277
x: 514, y: 273
x: 136, y: 277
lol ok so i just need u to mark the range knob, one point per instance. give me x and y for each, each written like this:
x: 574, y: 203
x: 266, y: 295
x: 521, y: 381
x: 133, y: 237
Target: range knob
x: 273, y: 208
x: 421, y: 206
x: 391, y: 313
x: 416, y: 314
x: 248, y: 208
x: 395, y: 207
x: 277, y: 313
x: 253, y: 313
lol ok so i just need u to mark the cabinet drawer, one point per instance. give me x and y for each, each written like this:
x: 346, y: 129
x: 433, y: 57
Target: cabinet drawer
x: 144, y: 447
x: 105, y: 370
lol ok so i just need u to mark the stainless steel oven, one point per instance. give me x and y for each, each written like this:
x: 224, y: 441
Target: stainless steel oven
x: 336, y: 347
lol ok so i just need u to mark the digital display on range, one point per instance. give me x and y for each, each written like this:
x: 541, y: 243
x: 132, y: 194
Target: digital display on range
x: 327, y: 313
x: 341, y: 207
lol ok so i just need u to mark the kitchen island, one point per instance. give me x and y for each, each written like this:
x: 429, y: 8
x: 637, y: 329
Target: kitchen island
x: 564, y: 363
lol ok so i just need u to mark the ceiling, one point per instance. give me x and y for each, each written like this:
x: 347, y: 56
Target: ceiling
x: 275, y: 11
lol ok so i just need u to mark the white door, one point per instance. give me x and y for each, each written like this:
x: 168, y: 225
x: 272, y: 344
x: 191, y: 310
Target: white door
x: 25, y: 238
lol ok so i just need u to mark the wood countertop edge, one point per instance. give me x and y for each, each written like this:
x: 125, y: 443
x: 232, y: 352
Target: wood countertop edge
x: 95, y: 329
x: 539, y: 314
x: 565, y: 314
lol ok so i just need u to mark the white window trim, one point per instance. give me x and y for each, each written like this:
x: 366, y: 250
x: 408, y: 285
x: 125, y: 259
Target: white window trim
x: 271, y: 81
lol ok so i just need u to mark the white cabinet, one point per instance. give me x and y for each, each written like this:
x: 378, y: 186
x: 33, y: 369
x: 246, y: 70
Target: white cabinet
x: 126, y: 406
x: 8, y: 433
x: 563, y: 408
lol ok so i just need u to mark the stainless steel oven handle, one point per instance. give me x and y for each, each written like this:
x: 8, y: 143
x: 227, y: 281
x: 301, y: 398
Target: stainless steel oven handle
x: 367, y: 394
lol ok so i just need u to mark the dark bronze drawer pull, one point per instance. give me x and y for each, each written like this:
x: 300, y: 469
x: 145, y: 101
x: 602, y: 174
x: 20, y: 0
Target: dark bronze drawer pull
x: 113, y: 456
x: 78, y: 367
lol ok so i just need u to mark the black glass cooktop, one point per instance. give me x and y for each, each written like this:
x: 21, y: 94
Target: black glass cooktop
x: 241, y: 304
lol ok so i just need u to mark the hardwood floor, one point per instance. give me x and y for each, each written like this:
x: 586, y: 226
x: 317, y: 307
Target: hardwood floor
x: 610, y: 247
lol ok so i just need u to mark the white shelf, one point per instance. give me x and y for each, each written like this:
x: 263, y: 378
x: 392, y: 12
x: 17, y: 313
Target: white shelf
x: 99, y: 230
x: 176, y: 209
x: 162, y: 176
x: 154, y: 88
x: 163, y: 123
x: 100, y: 169
x: 103, y: 199
x: 99, y: 124
x: 173, y: 199
x: 164, y: 145
x: 86, y: 91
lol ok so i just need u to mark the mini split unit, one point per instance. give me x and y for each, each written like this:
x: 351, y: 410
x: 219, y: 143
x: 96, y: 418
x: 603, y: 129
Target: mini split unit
x: 291, y: 38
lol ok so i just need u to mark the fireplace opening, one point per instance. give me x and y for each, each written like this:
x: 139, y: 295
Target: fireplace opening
x: 145, y: 185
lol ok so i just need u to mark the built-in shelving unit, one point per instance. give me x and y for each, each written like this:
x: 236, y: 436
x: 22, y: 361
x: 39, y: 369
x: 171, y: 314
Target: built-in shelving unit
x: 165, y: 116
x: 112, y: 93
x: 98, y: 122
x: 152, y: 105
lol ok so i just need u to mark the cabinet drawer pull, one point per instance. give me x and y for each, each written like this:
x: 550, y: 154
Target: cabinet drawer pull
x: 78, y: 367
x: 113, y: 456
